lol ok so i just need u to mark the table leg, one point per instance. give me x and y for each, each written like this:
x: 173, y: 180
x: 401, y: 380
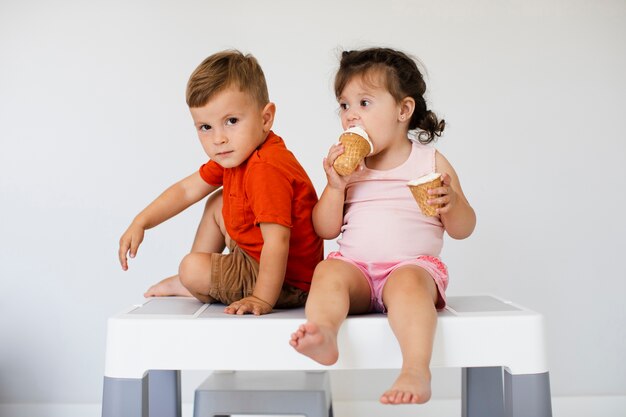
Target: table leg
x: 157, y: 394
x: 527, y: 395
x: 124, y: 397
x: 482, y: 392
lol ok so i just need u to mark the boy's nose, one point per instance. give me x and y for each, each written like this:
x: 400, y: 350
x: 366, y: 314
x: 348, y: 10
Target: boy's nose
x: 220, y: 139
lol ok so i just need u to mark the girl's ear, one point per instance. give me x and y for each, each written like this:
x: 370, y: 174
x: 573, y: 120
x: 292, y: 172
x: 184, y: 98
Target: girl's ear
x: 407, y: 106
x: 267, y: 115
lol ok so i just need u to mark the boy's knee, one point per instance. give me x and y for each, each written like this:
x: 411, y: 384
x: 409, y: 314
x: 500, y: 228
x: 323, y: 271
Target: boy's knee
x: 193, y: 268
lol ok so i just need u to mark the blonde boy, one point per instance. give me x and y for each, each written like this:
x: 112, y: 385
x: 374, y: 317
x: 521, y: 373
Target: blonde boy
x: 262, y: 212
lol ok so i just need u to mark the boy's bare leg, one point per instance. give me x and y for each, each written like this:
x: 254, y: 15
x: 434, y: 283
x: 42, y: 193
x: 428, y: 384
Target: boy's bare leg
x: 410, y: 295
x: 211, y: 237
x: 338, y: 288
x: 166, y: 287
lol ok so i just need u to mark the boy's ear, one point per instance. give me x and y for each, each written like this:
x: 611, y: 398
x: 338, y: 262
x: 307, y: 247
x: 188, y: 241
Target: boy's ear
x: 407, y: 107
x: 267, y: 114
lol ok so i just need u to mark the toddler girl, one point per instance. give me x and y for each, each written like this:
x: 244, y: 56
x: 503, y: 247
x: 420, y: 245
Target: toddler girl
x: 388, y: 251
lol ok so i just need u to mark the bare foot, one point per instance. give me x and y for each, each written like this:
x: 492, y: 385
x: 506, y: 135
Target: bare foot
x: 411, y: 387
x: 168, y: 286
x: 318, y: 343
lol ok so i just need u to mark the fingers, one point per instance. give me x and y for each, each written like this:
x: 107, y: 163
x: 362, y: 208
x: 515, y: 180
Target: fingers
x: 123, y: 250
x: 328, y: 167
x: 248, y: 305
x: 334, y: 152
x: 240, y: 309
x: 129, y: 244
x: 443, y: 196
x: 134, y: 246
x: 442, y: 200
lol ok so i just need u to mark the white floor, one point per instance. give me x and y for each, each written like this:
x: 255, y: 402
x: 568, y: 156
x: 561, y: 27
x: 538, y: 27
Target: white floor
x: 561, y: 406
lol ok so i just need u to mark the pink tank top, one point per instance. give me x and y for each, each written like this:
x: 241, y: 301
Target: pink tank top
x: 382, y: 222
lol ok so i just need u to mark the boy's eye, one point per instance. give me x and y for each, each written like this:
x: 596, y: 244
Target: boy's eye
x: 365, y: 103
x: 204, y: 128
x: 231, y: 121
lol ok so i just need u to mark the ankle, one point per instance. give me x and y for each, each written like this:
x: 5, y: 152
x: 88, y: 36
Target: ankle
x: 416, y: 370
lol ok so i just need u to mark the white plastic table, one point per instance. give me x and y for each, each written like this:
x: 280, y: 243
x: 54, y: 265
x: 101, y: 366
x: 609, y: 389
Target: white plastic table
x: 499, y: 345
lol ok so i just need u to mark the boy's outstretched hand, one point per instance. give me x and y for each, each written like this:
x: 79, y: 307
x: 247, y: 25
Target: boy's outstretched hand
x: 129, y: 243
x: 249, y: 305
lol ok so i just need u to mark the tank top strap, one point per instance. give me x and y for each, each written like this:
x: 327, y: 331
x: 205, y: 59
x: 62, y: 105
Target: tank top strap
x: 421, y: 161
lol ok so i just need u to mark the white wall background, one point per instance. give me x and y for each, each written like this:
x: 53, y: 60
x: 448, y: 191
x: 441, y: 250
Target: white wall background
x: 93, y: 125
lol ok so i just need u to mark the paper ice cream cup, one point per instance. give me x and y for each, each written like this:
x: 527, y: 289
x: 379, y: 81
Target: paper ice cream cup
x: 357, y: 145
x: 419, y: 188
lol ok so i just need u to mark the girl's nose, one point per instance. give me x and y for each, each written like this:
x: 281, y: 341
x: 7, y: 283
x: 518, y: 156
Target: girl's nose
x: 351, y: 115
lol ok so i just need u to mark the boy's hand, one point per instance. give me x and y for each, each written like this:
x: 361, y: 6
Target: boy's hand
x: 129, y: 243
x: 249, y: 304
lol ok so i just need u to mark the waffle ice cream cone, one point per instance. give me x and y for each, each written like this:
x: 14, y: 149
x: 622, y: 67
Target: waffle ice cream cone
x: 419, y: 188
x: 357, y: 145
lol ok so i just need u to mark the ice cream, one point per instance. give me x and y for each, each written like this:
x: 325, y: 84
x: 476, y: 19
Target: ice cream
x: 357, y: 145
x: 420, y: 187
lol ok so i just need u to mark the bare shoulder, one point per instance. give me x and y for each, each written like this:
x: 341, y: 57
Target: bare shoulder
x: 442, y: 165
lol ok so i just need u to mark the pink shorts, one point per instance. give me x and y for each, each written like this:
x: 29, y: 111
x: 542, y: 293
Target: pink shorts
x: 376, y: 274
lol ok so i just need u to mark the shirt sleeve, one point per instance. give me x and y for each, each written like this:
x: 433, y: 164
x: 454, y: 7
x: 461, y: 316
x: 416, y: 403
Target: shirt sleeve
x: 270, y: 194
x: 212, y: 173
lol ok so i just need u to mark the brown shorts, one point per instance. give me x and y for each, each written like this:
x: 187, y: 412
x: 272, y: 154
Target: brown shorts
x: 233, y: 277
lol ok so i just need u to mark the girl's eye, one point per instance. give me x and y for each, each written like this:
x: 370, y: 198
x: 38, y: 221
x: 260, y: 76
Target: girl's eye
x: 231, y: 121
x: 204, y: 128
x: 343, y: 106
x: 365, y: 103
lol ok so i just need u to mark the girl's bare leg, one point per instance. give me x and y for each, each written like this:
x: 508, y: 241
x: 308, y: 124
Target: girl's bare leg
x: 410, y: 295
x: 211, y: 237
x: 338, y: 288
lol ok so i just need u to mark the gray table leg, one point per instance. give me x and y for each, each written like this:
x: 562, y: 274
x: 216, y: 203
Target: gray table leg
x: 124, y: 397
x: 527, y: 395
x: 482, y: 392
x: 155, y: 395
x: 164, y: 394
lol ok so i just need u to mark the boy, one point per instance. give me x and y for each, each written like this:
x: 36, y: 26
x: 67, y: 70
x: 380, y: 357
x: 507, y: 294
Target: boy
x: 263, y: 212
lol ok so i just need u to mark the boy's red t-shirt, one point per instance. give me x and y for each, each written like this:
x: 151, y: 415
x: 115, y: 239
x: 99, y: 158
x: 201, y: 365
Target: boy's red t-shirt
x: 270, y: 187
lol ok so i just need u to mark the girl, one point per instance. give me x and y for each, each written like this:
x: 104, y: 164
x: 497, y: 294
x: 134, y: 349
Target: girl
x: 388, y: 252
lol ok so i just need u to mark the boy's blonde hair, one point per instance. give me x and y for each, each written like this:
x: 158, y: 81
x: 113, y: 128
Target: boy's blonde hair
x: 223, y: 70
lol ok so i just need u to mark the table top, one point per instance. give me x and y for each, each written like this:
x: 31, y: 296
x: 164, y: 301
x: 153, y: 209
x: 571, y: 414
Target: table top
x: 183, y: 333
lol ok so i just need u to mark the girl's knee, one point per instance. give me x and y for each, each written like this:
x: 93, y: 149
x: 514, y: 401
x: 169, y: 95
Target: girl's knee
x: 411, y: 280
x: 338, y: 275
x: 325, y: 276
x: 323, y: 268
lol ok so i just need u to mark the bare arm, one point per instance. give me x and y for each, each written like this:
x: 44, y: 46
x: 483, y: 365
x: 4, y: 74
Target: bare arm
x: 328, y: 212
x: 457, y: 215
x: 171, y: 202
x: 272, y: 267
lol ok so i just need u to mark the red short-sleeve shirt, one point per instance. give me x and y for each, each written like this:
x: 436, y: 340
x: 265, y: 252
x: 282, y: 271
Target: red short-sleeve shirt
x: 270, y: 187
